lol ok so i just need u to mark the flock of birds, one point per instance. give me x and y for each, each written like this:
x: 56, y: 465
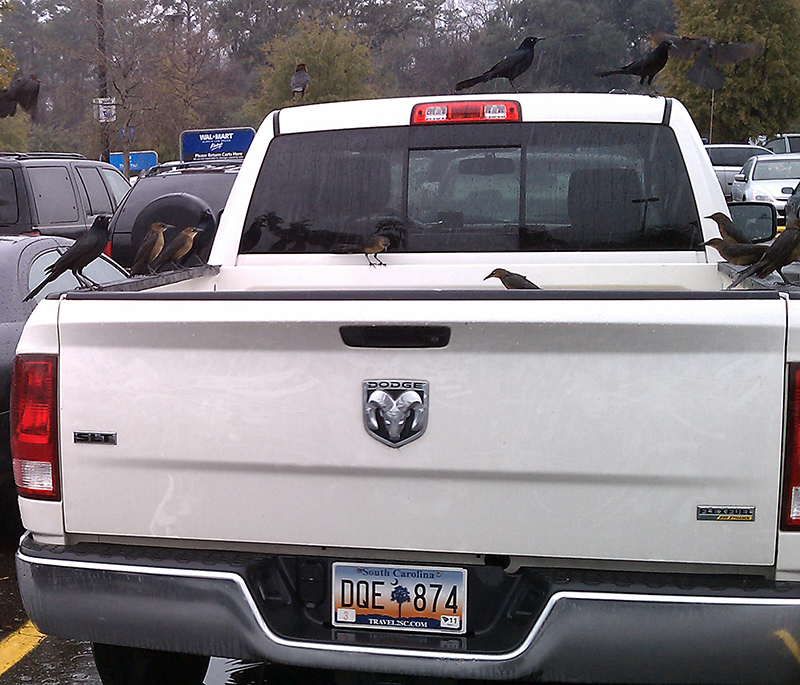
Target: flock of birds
x: 153, y: 254
x: 707, y: 54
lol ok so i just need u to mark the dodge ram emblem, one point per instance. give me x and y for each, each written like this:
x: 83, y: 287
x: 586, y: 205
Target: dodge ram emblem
x: 395, y: 411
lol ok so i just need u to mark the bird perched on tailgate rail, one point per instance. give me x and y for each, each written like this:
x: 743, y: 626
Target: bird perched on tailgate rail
x: 88, y: 247
x: 509, y: 67
x: 177, y: 248
x: 784, y: 250
x: 741, y: 254
x: 150, y: 248
x: 512, y: 281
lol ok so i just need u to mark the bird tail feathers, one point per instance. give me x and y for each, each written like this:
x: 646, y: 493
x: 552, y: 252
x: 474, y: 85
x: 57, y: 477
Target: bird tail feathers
x: 461, y: 85
x: 746, y: 273
x: 608, y: 73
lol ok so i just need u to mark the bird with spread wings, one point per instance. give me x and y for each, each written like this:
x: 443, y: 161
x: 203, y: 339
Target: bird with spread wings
x: 708, y: 54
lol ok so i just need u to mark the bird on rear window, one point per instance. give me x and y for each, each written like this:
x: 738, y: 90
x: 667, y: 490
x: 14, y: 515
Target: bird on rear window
x: 374, y: 244
x: 512, y: 281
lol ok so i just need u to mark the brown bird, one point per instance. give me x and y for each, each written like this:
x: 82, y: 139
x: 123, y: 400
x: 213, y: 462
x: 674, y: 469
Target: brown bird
x: 729, y: 231
x: 784, y: 250
x: 706, y: 53
x: 512, y: 281
x: 742, y: 254
x: 300, y: 81
x: 177, y: 248
x: 376, y: 243
x: 150, y: 248
x: 22, y: 91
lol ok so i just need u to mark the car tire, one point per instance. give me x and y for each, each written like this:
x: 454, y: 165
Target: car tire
x: 134, y: 666
x: 177, y: 209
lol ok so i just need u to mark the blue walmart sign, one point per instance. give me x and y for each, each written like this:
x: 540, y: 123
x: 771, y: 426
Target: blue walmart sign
x: 223, y: 143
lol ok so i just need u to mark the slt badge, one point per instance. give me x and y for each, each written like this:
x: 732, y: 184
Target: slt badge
x: 395, y: 411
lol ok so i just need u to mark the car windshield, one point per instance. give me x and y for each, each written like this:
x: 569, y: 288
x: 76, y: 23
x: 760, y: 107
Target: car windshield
x: 732, y: 156
x: 473, y: 188
x: 776, y: 169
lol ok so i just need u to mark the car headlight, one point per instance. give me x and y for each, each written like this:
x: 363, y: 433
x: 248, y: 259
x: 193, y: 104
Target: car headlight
x: 763, y: 197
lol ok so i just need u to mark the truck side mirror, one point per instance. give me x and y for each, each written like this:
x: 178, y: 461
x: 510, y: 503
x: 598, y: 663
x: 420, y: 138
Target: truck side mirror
x: 757, y: 220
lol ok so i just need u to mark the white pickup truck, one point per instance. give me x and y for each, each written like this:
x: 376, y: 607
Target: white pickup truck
x: 408, y: 469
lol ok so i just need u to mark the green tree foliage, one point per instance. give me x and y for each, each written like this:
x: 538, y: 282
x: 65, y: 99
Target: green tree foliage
x: 762, y: 94
x: 337, y: 59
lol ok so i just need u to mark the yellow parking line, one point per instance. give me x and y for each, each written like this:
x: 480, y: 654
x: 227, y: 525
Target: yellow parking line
x: 21, y: 642
x: 790, y: 642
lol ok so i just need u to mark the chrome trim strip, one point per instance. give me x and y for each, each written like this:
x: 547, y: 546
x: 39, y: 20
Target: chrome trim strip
x: 382, y: 651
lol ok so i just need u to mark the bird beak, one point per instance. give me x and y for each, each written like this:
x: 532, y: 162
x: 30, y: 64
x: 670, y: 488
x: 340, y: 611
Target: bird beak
x: 488, y: 277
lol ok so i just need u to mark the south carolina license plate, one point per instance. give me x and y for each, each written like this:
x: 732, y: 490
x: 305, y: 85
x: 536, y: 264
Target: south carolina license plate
x: 383, y: 596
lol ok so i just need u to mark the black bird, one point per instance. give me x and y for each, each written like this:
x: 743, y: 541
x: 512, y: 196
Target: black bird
x: 742, y: 254
x: 177, y: 248
x: 708, y: 53
x: 80, y: 254
x: 22, y: 91
x: 374, y: 244
x: 512, y: 281
x: 784, y: 250
x: 509, y: 67
x: 645, y: 67
x: 300, y: 81
x: 151, y: 246
x: 729, y: 231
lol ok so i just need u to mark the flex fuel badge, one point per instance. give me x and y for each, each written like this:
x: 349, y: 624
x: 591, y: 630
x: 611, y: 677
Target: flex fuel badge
x: 718, y: 513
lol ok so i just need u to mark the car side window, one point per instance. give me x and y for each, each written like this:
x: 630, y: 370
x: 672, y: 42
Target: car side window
x: 117, y: 184
x: 100, y: 271
x: 9, y: 209
x: 54, y: 195
x: 99, y: 200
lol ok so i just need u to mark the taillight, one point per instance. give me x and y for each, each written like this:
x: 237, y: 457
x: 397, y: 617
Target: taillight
x: 34, y: 429
x: 107, y: 249
x: 465, y: 112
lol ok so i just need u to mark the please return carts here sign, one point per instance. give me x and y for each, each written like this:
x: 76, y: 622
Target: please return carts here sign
x: 216, y: 144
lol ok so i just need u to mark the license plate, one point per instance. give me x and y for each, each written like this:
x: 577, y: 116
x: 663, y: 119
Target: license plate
x: 387, y: 597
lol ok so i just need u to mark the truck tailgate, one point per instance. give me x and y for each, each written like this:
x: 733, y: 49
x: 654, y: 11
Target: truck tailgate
x: 561, y: 425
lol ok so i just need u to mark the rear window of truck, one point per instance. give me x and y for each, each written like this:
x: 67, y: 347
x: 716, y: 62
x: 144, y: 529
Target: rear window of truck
x: 475, y: 188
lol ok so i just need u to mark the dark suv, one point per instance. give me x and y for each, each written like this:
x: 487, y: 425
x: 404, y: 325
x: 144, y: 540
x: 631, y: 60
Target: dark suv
x: 55, y: 193
x: 174, y: 193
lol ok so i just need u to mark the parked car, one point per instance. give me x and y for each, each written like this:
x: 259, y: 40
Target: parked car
x: 728, y: 159
x: 784, y: 142
x: 767, y: 178
x: 23, y: 260
x: 56, y: 193
x: 175, y: 193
